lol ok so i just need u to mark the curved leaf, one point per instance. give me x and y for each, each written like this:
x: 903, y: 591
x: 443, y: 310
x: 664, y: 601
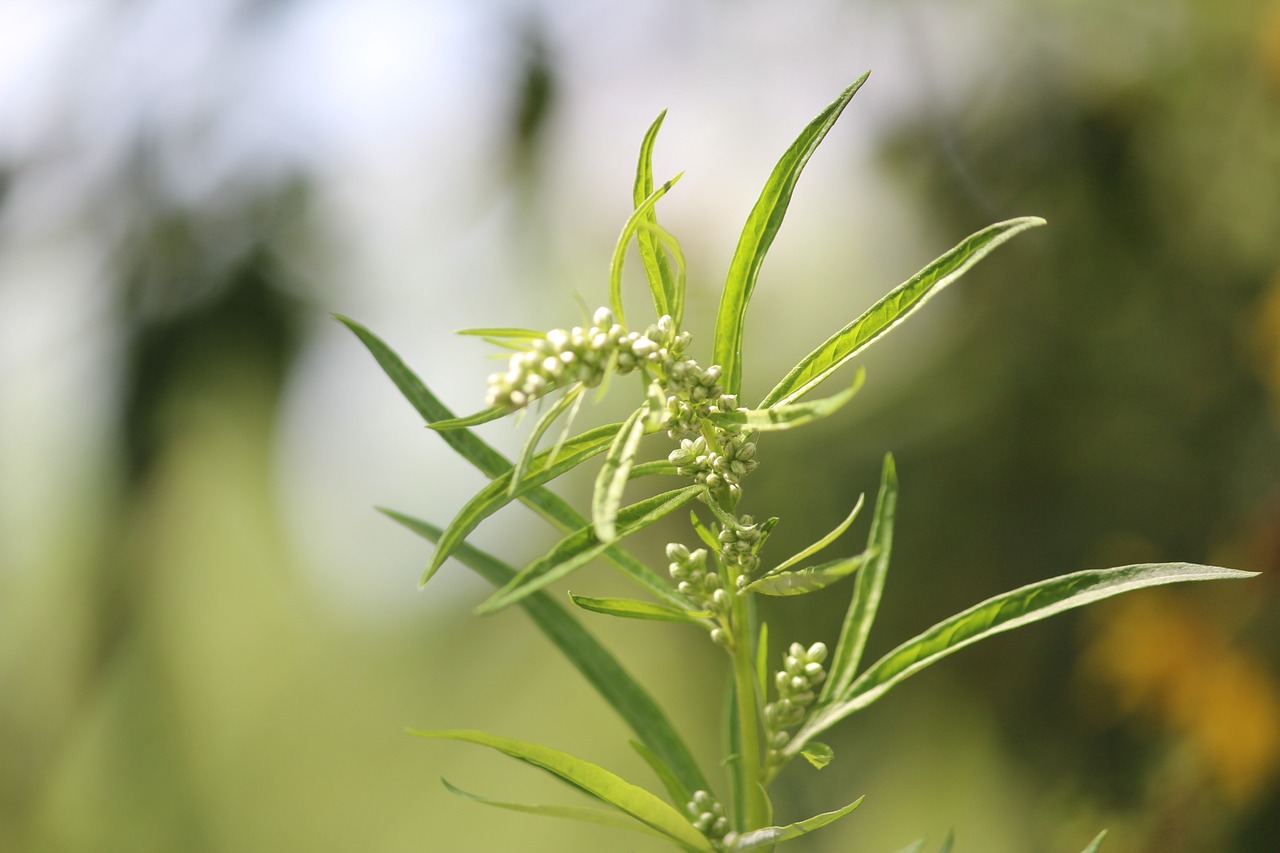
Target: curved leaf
x: 1096, y: 844
x: 629, y: 608
x: 481, y: 417
x: 677, y: 789
x: 555, y: 509
x: 568, y: 400
x: 757, y: 236
x: 597, y: 665
x: 543, y: 467
x: 643, y: 209
x: 579, y: 813
x: 821, y: 543
x: 594, y: 780
x: 770, y: 835
x: 818, y: 754
x: 892, y: 309
x: 613, y: 475
x: 812, y: 579
x: 790, y: 415
x: 581, y: 547
x: 996, y: 615
x: 666, y: 298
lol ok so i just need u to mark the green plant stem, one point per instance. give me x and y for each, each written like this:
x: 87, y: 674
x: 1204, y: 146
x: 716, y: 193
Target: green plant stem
x: 744, y: 678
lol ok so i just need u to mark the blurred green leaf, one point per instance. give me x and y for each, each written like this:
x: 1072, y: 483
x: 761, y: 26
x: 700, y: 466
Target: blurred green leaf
x: 811, y: 579
x: 868, y: 589
x: 789, y: 415
x: 677, y: 789
x: 601, y: 669
x: 581, y: 547
x: 643, y: 210
x: 612, y: 478
x: 1096, y: 844
x: 629, y: 608
x: 837, y: 350
x: 776, y: 834
x: 818, y: 754
x: 580, y: 813
x: 757, y: 236
x: 594, y: 780
x: 504, y: 332
x: 667, y: 299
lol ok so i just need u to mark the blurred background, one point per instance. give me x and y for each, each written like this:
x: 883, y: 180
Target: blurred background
x: 210, y: 641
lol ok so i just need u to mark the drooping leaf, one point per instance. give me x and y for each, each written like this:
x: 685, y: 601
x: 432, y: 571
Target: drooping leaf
x: 568, y: 400
x: 629, y: 608
x: 555, y: 509
x: 771, y: 835
x: 867, y: 590
x: 757, y: 236
x: 788, y: 416
x: 496, y: 495
x: 818, y: 754
x: 1096, y: 844
x: 585, y: 814
x: 600, y: 668
x: 481, y: 417
x: 666, y: 298
x: 821, y: 543
x: 812, y: 579
x: 643, y: 210
x: 594, y: 780
x: 581, y: 547
x: 612, y: 479
x: 677, y: 789
x: 891, y: 310
x: 996, y: 615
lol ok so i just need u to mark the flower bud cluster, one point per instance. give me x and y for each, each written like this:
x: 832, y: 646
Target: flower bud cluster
x: 707, y: 815
x: 583, y: 355
x: 701, y: 587
x: 694, y: 458
x: 695, y: 395
x: 738, y: 544
x: 802, y: 672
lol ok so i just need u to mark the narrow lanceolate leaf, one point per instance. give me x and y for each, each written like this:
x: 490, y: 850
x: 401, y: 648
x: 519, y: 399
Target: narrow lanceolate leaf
x: 581, y: 547
x: 814, y: 578
x: 757, y: 236
x: 567, y: 401
x: 770, y: 835
x: 821, y: 543
x: 791, y: 415
x: 612, y: 479
x: 597, y: 665
x: 892, y: 309
x: 668, y: 243
x: 1096, y: 844
x: 585, y: 814
x: 657, y: 466
x: 706, y: 534
x: 661, y: 282
x: 999, y: 614
x: 481, y: 417
x: 629, y: 608
x: 818, y: 754
x: 496, y: 495
x: 555, y: 509
x: 594, y: 780
x: 509, y: 332
x: 677, y: 789
x: 867, y: 590
x: 643, y: 209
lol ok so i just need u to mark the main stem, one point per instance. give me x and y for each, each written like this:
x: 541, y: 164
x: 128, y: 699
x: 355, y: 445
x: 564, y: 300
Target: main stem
x: 744, y: 677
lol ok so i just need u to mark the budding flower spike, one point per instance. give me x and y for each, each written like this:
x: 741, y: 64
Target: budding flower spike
x: 711, y: 444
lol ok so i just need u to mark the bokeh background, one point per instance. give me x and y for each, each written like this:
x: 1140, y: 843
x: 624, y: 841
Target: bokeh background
x: 209, y: 640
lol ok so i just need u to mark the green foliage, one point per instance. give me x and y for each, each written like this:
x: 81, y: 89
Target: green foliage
x: 768, y: 720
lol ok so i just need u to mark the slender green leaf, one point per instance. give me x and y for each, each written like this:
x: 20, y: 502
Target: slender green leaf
x: 581, y: 547
x: 593, y: 779
x: 600, y: 668
x: 666, y: 299
x: 913, y: 847
x: 821, y: 543
x: 579, y: 813
x: 643, y: 210
x: 812, y: 579
x: 788, y: 416
x: 481, y: 417
x: 504, y: 332
x: 731, y: 725
x: 677, y: 790
x: 1096, y: 844
x: 770, y: 835
x: 657, y: 466
x: 867, y: 590
x: 948, y: 843
x: 629, y: 608
x: 706, y: 534
x: 555, y: 509
x: 667, y: 242
x: 612, y: 479
x: 891, y: 310
x: 996, y: 615
x: 818, y: 754
x: 757, y: 236
x: 570, y: 398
